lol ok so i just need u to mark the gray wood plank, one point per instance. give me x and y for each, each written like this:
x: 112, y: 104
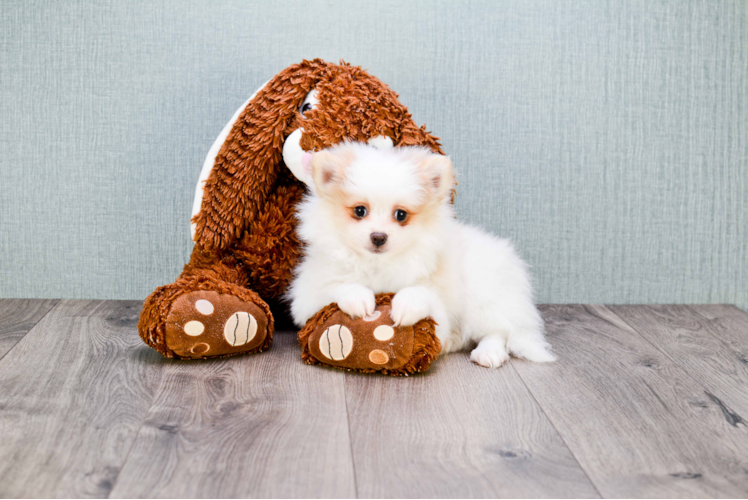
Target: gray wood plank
x: 635, y: 421
x: 264, y: 425
x: 75, y: 391
x: 709, y: 342
x: 17, y: 317
x: 727, y: 323
x: 458, y: 430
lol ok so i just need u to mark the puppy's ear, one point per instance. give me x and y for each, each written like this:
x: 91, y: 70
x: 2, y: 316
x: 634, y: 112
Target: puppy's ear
x: 328, y: 168
x: 436, y: 174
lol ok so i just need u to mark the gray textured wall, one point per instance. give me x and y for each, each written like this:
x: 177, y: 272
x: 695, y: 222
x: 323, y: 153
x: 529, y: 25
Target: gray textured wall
x: 608, y: 139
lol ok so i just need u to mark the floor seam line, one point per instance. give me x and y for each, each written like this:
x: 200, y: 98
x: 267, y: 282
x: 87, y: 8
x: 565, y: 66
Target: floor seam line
x: 156, y: 394
x: 129, y: 451
x: 350, y: 439
x: 57, y: 302
x: 135, y: 439
x: 560, y: 436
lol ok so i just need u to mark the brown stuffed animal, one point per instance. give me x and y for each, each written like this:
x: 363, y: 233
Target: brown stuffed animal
x: 333, y: 338
x: 243, y: 218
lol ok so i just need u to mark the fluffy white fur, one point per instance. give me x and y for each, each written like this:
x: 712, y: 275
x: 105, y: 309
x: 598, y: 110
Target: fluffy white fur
x: 472, y: 284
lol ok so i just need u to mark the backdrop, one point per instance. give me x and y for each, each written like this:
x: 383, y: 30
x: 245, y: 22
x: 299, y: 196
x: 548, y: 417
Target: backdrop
x: 609, y: 140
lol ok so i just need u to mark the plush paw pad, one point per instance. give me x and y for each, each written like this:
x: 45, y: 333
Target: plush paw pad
x: 336, y: 343
x: 370, y: 342
x: 240, y: 328
x: 206, y: 324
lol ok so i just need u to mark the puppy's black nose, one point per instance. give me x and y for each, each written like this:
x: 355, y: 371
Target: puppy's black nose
x: 378, y: 239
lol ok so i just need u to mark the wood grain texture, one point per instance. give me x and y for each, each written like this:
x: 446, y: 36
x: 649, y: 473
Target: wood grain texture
x: 647, y: 407
x: 635, y: 421
x: 263, y: 425
x: 458, y: 430
x: 729, y: 324
x: 17, y: 317
x: 708, y: 342
x: 75, y: 390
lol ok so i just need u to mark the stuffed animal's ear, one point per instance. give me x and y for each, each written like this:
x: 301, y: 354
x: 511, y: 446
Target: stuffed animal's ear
x: 436, y: 174
x: 237, y: 176
x: 411, y: 134
x: 210, y: 162
x: 328, y: 167
x: 244, y: 164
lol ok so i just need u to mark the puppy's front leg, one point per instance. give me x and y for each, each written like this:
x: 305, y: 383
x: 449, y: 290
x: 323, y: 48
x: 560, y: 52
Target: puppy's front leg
x: 355, y: 300
x: 413, y: 303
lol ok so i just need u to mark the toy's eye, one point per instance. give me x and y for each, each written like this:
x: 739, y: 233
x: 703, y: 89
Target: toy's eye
x: 309, y: 103
x: 401, y: 215
x: 360, y: 212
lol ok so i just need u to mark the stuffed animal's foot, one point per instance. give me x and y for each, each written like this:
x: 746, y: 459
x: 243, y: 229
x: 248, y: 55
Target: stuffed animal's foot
x: 368, y: 344
x: 207, y: 324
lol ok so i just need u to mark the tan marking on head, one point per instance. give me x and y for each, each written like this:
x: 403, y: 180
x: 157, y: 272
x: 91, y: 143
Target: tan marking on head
x: 436, y: 174
x: 328, y: 167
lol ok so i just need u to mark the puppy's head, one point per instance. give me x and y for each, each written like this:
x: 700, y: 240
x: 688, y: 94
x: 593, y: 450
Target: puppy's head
x: 382, y: 201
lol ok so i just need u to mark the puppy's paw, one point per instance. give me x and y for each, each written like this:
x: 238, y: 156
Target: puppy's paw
x: 410, y: 305
x: 355, y: 300
x: 490, y: 357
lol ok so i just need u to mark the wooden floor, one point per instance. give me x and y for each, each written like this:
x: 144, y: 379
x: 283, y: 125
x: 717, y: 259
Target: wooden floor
x: 645, y: 401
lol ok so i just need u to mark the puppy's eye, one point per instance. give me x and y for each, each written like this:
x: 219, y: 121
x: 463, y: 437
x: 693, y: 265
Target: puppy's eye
x: 307, y: 106
x: 360, y: 212
x: 401, y: 215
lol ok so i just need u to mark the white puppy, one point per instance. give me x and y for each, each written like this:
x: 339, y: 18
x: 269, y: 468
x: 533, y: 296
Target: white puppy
x: 380, y: 220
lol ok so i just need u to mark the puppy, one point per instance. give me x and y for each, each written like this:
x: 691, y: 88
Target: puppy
x: 380, y: 220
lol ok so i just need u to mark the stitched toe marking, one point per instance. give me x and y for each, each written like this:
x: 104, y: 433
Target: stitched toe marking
x: 240, y: 328
x: 194, y: 328
x: 378, y: 357
x: 336, y: 343
x: 373, y: 317
x: 204, y: 307
x: 384, y: 332
x: 200, y: 348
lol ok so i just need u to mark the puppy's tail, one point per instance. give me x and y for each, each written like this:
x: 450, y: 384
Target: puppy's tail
x: 530, y: 345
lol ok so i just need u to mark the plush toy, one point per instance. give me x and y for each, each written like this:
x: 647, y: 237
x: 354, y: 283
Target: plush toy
x: 333, y: 338
x: 243, y: 227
